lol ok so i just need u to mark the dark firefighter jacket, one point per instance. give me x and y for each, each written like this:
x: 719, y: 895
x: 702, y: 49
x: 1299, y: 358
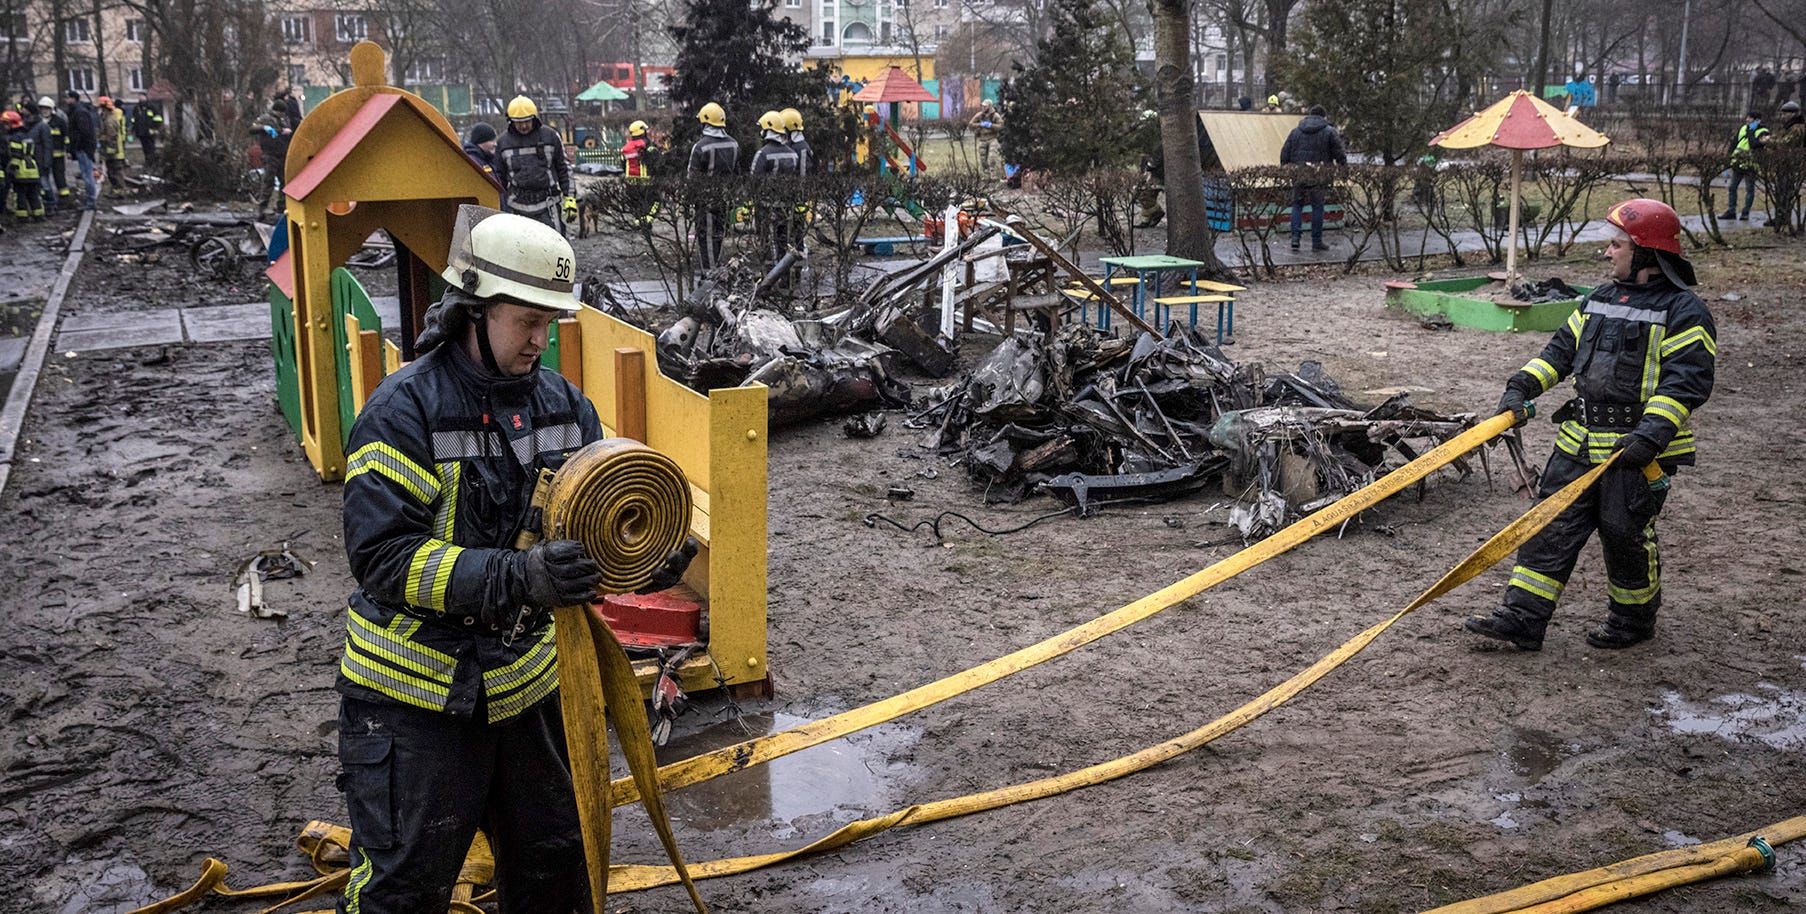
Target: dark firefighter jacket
x: 715, y: 154
x: 531, y: 165
x: 1647, y: 348
x: 805, y: 156
x: 440, y: 474
x: 774, y: 157
x: 58, y: 125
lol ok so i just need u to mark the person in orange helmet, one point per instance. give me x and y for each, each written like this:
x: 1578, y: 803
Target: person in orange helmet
x: 1642, y: 351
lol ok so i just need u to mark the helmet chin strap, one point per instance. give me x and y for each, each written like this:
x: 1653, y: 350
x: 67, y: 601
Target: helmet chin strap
x: 479, y: 323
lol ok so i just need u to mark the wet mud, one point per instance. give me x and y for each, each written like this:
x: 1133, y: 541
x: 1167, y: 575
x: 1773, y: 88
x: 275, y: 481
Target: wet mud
x: 148, y: 725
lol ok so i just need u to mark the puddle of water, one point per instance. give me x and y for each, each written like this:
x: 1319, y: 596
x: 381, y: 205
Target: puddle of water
x: 1504, y: 820
x: 1533, y: 754
x: 848, y: 778
x: 1678, y: 839
x: 1776, y: 717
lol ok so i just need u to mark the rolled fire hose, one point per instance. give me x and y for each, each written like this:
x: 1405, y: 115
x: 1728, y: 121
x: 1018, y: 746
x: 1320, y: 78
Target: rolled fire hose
x: 629, y: 506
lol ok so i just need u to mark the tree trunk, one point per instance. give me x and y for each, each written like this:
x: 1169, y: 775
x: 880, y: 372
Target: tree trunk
x: 1279, y: 14
x: 1539, y: 75
x: 1188, y: 233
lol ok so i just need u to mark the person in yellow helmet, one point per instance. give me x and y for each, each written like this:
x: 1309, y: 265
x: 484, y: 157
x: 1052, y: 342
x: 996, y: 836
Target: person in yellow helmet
x: 1272, y: 105
x: 112, y: 141
x: 714, y: 155
x: 793, y: 130
x: 530, y: 164
x: 636, y: 157
x: 774, y: 159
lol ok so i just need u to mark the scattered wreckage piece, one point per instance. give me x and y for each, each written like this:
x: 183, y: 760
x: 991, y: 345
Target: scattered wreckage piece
x: 1091, y: 417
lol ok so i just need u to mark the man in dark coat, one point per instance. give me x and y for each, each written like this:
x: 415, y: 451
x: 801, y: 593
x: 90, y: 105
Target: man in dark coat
x: 1313, y: 142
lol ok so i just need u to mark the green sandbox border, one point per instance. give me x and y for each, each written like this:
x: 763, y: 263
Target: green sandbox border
x: 1442, y: 297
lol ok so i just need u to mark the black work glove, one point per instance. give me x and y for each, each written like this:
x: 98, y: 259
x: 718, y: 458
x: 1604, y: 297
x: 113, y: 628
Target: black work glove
x: 1639, y: 451
x: 558, y: 573
x: 1512, y: 401
x: 672, y: 570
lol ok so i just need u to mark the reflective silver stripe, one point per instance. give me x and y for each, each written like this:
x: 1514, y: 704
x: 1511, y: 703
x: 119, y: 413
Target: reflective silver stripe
x: 525, y: 279
x: 1626, y: 312
x: 519, y: 685
x: 520, y: 207
x: 379, y: 642
x: 525, y: 698
x: 445, y: 519
x: 462, y: 445
x: 565, y: 436
x: 364, y: 674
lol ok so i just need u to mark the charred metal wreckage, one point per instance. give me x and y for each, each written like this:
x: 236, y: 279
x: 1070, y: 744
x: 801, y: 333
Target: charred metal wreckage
x: 1086, y: 416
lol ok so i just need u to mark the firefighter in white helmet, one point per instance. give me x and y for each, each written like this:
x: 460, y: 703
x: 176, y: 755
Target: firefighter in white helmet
x: 449, y: 716
x: 530, y: 164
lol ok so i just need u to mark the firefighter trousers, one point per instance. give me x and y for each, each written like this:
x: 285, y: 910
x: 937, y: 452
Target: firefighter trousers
x: 419, y: 783
x: 1622, y: 509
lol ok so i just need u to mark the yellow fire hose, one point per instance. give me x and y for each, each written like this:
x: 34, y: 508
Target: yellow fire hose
x: 697, y: 769
x: 630, y: 507
x: 1638, y: 876
x: 1502, y: 544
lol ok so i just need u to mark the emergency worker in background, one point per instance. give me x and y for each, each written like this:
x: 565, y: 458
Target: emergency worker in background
x: 1641, y: 351
x: 55, y: 176
x: 23, y: 158
x: 1750, y: 137
x: 530, y: 164
x: 805, y: 167
x: 986, y: 124
x: 716, y: 155
x: 774, y: 159
x: 112, y: 142
x: 637, y: 155
x: 273, y: 132
x: 147, y: 126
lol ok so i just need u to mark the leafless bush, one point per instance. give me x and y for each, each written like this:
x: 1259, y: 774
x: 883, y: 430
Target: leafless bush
x: 1103, y: 198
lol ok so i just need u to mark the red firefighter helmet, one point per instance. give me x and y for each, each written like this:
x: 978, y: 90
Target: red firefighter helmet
x: 1649, y: 223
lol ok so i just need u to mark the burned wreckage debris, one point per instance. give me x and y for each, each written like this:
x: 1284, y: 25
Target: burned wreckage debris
x: 725, y: 335
x: 1092, y: 417
x: 1088, y: 417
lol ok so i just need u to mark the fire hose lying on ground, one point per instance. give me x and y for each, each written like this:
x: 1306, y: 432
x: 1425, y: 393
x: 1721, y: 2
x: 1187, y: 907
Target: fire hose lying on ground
x: 597, y: 682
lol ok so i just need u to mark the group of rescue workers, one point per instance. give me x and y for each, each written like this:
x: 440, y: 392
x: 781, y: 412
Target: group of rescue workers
x: 39, y: 141
x: 528, y: 161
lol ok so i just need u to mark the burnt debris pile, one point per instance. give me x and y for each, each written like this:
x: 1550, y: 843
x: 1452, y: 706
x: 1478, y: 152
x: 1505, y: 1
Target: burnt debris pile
x: 1091, y: 417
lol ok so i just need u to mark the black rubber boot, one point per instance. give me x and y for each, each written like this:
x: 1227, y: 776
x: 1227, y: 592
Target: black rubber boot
x: 1618, y: 633
x: 1507, y: 628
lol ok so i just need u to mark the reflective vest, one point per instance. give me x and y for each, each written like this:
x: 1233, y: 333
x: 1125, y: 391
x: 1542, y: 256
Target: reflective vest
x: 1650, y: 350
x: 633, y: 157
x: 21, y: 156
x: 59, y: 143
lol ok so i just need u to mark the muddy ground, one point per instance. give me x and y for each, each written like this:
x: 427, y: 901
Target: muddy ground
x: 148, y: 725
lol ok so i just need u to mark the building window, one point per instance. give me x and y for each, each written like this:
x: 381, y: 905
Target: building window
x: 424, y: 71
x: 14, y: 27
x: 297, y: 30
x: 857, y: 34
x: 940, y: 4
x: 884, y: 33
x: 135, y: 30
x: 75, y: 31
x: 297, y: 75
x: 351, y: 28
x: 828, y: 33
x: 134, y: 79
x: 793, y: 4
x: 940, y: 33
x: 79, y: 78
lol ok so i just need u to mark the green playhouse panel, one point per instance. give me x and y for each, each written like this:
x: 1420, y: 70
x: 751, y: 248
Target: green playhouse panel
x: 1444, y: 297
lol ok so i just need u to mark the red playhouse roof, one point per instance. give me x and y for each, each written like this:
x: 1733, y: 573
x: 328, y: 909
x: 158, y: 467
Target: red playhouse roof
x: 894, y: 85
x: 1520, y: 121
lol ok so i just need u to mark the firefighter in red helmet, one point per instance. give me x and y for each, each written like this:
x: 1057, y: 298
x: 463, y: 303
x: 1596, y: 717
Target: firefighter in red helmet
x: 1641, y: 351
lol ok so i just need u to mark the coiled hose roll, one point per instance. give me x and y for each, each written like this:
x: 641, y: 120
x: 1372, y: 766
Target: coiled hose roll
x: 628, y: 504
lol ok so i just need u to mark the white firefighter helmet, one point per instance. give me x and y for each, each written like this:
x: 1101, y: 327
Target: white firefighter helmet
x: 495, y: 254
